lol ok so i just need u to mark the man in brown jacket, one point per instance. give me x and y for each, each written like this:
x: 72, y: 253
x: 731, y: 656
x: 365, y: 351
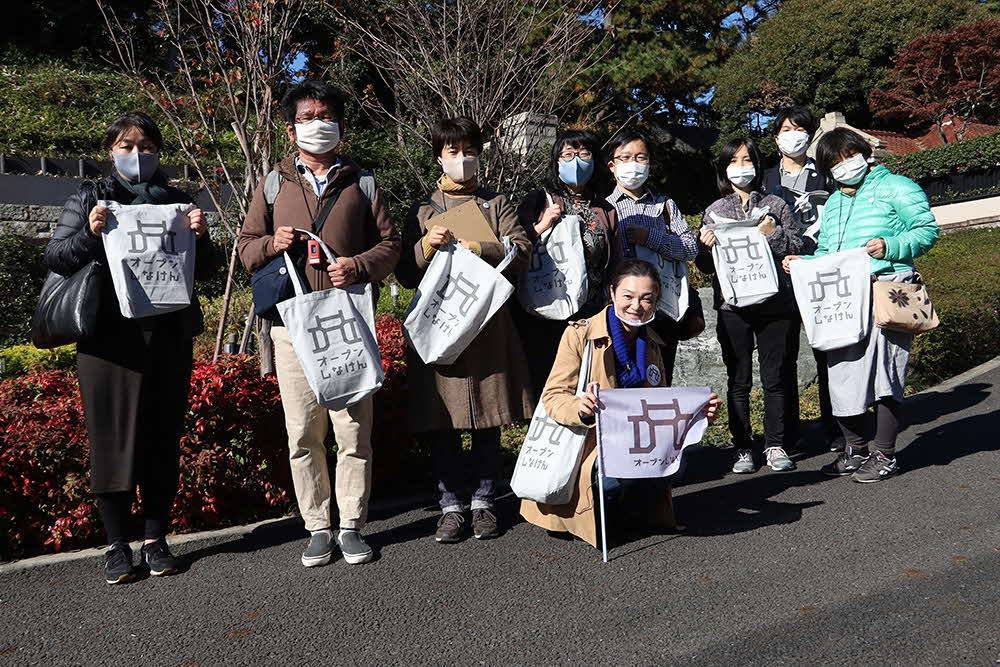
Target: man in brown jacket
x: 325, y: 192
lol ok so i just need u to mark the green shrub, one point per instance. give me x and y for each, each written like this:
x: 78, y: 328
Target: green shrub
x: 20, y: 359
x: 962, y: 272
x: 962, y: 157
x: 239, y: 306
x: 22, y: 271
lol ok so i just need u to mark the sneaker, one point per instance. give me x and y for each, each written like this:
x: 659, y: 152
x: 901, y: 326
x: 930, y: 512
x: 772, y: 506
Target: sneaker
x: 744, y: 462
x: 450, y: 528
x: 778, y: 460
x: 846, y: 463
x: 484, y: 524
x: 319, y: 550
x: 876, y: 468
x: 355, y: 549
x: 157, y: 557
x: 117, y: 564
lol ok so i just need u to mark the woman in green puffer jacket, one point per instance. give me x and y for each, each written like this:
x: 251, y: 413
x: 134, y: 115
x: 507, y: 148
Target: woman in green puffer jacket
x: 888, y: 215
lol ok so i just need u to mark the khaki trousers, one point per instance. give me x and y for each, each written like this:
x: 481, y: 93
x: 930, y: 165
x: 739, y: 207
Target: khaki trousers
x: 307, y: 426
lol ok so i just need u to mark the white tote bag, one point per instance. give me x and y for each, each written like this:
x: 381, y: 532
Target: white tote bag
x: 743, y: 260
x: 674, y: 291
x: 555, y: 284
x: 550, y: 456
x: 151, y: 253
x: 833, y: 294
x: 333, y: 334
x: 457, y: 296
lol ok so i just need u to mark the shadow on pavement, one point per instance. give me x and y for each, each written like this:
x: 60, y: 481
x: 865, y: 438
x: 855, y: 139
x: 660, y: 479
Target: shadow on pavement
x: 931, y: 406
x: 262, y: 537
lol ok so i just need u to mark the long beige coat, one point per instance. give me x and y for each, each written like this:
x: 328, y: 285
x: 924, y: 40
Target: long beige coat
x: 577, y: 516
x: 488, y: 385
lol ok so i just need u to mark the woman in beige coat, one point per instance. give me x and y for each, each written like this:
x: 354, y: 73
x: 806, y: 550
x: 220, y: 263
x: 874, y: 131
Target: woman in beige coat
x: 487, y: 386
x: 635, y: 289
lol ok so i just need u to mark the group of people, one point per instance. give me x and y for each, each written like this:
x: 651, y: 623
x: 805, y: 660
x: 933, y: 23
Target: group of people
x: 134, y: 374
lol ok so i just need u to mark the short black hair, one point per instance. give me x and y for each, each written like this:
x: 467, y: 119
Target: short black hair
x: 311, y: 90
x: 133, y: 119
x: 637, y: 268
x: 453, y: 131
x: 726, y: 156
x: 578, y: 139
x: 623, y: 138
x: 799, y: 115
x: 838, y: 144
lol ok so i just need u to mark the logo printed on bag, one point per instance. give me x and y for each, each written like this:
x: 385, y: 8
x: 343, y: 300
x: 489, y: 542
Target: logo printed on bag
x: 460, y: 285
x: 553, y: 250
x: 679, y: 419
x: 540, y: 426
x: 736, y: 244
x: 336, y: 322
x: 147, y: 230
x: 826, y: 279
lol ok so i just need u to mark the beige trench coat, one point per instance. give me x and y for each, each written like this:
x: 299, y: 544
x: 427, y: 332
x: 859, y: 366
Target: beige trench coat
x: 488, y: 385
x: 578, y: 516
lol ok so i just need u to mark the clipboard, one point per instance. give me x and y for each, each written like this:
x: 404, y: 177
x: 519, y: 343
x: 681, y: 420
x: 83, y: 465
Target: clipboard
x: 466, y: 221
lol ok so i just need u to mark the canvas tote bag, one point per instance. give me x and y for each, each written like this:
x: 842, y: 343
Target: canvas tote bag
x: 333, y: 334
x: 743, y: 260
x: 551, y: 453
x: 833, y: 294
x: 458, y: 294
x: 555, y: 285
x: 151, y: 253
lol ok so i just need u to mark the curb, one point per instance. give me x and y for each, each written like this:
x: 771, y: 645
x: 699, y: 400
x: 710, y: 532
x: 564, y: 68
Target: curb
x: 960, y: 379
x: 187, y: 538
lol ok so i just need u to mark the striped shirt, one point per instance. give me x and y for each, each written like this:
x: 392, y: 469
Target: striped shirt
x: 677, y: 243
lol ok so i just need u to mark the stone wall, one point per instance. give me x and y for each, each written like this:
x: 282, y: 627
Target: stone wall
x: 38, y: 222
x: 699, y: 360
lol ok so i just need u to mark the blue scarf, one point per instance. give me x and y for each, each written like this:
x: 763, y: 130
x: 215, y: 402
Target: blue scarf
x: 630, y: 371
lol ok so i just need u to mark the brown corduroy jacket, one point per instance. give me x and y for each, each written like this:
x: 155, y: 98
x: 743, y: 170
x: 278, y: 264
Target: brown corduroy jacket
x: 355, y: 228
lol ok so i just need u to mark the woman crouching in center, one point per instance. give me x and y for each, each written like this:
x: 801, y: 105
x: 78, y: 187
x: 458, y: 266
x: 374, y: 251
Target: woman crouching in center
x: 626, y: 354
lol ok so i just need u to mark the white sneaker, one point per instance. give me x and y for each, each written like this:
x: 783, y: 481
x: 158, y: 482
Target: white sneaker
x: 744, y: 462
x: 778, y: 460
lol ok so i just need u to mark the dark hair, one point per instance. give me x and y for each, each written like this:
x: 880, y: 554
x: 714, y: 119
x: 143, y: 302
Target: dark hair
x: 578, y: 139
x: 453, y: 131
x: 837, y: 144
x: 311, y: 90
x: 726, y: 156
x: 623, y: 138
x: 799, y: 115
x: 637, y: 268
x: 127, y: 121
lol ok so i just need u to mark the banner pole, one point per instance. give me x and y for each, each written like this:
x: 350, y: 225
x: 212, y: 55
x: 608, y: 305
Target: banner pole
x: 600, y: 477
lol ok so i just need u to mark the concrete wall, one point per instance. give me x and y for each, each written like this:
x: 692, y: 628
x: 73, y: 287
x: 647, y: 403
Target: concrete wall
x: 699, y: 360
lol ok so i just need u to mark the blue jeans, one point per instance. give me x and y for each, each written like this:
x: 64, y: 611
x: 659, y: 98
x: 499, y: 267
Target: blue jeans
x: 460, y: 473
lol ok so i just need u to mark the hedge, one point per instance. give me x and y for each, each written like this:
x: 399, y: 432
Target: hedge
x: 978, y: 154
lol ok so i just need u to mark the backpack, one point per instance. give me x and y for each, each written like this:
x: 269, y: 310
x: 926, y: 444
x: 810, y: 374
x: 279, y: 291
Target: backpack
x: 272, y: 184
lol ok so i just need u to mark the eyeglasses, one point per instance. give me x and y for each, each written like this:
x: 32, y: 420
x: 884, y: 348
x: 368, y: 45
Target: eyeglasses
x: 641, y: 158
x: 307, y: 119
x: 582, y: 154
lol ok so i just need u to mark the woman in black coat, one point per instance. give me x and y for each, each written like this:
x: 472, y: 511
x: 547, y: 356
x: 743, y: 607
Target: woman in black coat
x: 134, y: 373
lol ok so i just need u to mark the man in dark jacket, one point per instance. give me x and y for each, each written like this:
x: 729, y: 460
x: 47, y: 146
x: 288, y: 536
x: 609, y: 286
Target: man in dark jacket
x: 797, y: 180
x: 322, y: 191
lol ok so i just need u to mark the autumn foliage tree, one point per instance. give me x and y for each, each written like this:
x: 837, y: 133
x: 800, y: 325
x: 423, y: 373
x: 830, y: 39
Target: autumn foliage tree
x: 945, y: 76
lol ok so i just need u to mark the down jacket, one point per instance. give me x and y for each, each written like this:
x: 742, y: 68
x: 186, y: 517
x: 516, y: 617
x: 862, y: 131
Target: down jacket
x: 886, y: 206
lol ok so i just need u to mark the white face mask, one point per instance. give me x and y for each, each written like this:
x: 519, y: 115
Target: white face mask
x: 793, y: 143
x: 317, y: 136
x: 851, y: 170
x: 637, y: 323
x: 136, y: 167
x: 460, y: 169
x: 631, y: 175
x: 740, y: 176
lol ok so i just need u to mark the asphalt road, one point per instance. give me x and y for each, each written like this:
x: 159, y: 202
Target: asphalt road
x: 774, y: 568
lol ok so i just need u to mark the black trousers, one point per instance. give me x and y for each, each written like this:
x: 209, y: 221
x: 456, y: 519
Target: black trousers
x: 465, y: 477
x: 777, y: 340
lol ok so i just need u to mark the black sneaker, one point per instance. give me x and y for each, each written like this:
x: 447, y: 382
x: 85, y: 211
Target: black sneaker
x: 845, y: 464
x: 485, y: 525
x: 450, y: 528
x: 118, y: 567
x: 157, y: 557
x: 876, y: 468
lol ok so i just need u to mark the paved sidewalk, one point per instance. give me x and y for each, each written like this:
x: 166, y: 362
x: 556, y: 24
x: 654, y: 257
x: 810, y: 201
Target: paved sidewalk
x: 775, y: 568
